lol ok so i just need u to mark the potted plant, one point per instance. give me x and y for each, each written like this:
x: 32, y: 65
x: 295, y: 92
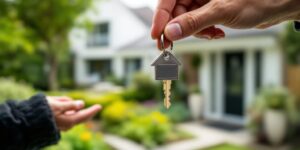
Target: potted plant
x: 195, y: 102
x: 274, y: 114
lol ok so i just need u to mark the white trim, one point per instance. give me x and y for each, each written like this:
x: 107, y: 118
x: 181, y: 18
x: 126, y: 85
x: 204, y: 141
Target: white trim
x: 219, y: 84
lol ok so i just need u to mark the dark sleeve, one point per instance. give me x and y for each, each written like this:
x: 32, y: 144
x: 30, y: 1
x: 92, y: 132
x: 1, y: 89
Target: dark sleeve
x: 297, y: 26
x: 27, y: 125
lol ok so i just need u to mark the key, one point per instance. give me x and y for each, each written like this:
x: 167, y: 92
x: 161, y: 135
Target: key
x: 166, y: 69
x: 167, y: 93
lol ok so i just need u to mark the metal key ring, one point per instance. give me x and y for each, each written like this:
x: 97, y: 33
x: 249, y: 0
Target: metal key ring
x: 162, y: 43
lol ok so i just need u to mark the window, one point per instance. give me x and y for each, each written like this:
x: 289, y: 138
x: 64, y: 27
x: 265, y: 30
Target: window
x: 99, y: 36
x: 99, y: 68
x: 258, y: 67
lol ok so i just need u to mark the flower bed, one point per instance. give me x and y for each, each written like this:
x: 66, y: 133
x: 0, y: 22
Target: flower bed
x: 81, y: 138
x: 132, y: 120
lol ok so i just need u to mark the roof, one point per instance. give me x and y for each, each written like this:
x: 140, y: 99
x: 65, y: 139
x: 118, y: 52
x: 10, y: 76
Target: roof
x: 160, y: 60
x: 145, y: 14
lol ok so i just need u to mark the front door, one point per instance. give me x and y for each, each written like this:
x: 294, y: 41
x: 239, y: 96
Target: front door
x: 234, y: 67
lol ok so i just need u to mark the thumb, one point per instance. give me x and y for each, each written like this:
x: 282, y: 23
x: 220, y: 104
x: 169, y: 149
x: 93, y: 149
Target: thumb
x: 193, y: 22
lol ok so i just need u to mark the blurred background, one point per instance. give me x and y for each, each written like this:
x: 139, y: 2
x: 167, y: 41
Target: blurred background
x: 237, y: 93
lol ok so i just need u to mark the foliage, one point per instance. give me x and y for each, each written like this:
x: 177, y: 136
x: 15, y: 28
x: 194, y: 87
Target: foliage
x: 115, y: 80
x: 139, y: 124
x: 133, y: 121
x: 10, y: 89
x: 194, y: 89
x: 23, y: 28
x: 273, y: 98
x: 196, y: 61
x: 291, y: 44
x: 177, y: 113
x: 117, y: 112
x: 80, y: 138
x: 150, y: 129
x: 13, y: 35
x: 142, y: 88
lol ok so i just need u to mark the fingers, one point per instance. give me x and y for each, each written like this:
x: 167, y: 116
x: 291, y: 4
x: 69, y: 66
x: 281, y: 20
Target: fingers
x: 161, y: 17
x: 67, y: 121
x: 210, y: 33
x: 70, y: 105
x: 86, y: 114
x: 63, y: 98
x: 192, y: 22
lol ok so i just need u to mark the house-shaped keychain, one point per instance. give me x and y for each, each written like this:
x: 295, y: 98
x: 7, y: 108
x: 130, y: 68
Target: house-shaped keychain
x: 166, y: 66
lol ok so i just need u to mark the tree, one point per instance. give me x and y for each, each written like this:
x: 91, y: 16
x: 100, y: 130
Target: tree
x: 50, y: 22
x: 292, y: 45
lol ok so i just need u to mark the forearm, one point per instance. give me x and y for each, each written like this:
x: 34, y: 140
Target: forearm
x: 290, y: 9
x: 27, y: 125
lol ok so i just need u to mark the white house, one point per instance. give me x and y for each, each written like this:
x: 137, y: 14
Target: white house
x: 232, y: 71
x: 118, y: 45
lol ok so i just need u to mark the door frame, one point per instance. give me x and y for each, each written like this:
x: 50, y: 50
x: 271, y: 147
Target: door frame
x: 218, y: 88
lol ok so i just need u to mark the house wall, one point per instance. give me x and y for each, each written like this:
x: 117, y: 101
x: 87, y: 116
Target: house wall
x: 212, y: 85
x: 124, y: 28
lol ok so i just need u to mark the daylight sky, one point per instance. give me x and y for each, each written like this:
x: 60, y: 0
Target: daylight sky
x: 140, y: 3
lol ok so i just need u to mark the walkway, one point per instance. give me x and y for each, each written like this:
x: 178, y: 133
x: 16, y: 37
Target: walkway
x: 204, y: 137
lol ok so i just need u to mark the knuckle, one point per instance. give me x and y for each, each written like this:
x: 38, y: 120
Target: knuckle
x: 192, y: 21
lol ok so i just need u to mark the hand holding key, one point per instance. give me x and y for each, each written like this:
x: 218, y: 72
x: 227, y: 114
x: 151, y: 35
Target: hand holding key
x: 178, y: 19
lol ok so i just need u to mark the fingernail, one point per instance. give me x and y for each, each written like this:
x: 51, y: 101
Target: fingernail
x: 206, y: 36
x: 173, y: 31
x: 218, y: 37
x: 79, y: 103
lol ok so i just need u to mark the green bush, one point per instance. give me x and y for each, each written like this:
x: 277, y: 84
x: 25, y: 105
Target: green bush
x: 150, y: 129
x: 177, y: 113
x: 10, y: 89
x: 141, y: 89
x: 80, y: 138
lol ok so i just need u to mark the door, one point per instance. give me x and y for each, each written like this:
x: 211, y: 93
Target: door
x: 234, y: 66
x: 132, y: 66
x: 100, y: 68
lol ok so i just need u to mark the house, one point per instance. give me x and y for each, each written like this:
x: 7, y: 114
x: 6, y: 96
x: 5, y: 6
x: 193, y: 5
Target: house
x: 232, y: 70
x: 119, y: 44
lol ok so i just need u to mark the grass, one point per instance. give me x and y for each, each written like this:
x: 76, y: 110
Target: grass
x: 226, y: 147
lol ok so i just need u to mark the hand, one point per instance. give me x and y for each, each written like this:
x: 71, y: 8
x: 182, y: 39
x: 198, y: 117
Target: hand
x: 68, y: 113
x: 178, y: 19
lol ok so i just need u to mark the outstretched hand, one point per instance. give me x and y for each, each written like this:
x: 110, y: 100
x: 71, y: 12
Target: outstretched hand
x: 178, y: 19
x: 68, y: 113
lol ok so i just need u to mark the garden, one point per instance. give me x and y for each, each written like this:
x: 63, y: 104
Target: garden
x: 143, y: 120
x: 35, y: 57
x: 130, y: 114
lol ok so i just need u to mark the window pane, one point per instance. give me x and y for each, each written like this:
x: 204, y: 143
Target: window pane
x: 99, y: 36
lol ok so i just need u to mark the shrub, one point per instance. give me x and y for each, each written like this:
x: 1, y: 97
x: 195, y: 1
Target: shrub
x: 10, y: 89
x: 142, y: 88
x: 80, y: 138
x: 103, y: 99
x: 177, y: 113
x: 115, y: 114
x: 150, y: 129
